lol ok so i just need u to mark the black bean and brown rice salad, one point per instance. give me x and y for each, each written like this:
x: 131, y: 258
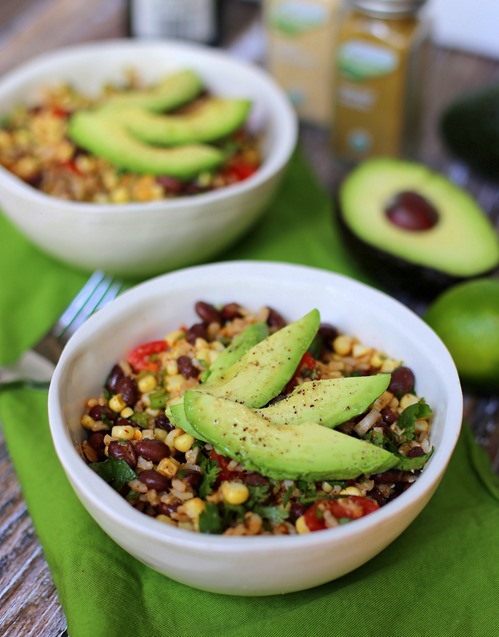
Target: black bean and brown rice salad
x: 170, y: 475
x: 36, y: 147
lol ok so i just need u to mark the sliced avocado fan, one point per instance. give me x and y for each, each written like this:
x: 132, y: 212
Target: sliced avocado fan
x: 308, y: 451
x: 129, y: 132
x: 235, y: 422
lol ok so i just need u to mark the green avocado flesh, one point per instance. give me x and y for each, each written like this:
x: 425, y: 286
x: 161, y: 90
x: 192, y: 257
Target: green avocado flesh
x: 132, y: 131
x: 327, y: 402
x: 307, y: 451
x: 108, y: 139
x: 212, y: 120
x: 234, y: 421
x: 172, y: 92
x: 463, y: 242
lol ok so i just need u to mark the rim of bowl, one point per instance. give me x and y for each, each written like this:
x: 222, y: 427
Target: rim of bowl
x: 117, y: 509
x: 275, y: 160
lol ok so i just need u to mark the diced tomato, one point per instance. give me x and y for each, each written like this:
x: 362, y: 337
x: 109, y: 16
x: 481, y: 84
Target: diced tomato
x: 223, y: 462
x: 306, y: 368
x: 239, y: 170
x: 71, y: 166
x: 139, y: 358
x: 352, y: 507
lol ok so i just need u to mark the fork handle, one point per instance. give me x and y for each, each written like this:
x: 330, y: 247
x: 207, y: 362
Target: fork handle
x: 31, y: 367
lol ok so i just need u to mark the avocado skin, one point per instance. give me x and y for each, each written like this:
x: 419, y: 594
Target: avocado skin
x: 307, y: 451
x: 406, y: 275
x: 469, y: 127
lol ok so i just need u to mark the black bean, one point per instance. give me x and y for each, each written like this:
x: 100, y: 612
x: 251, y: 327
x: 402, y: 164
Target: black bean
x: 415, y: 452
x: 192, y: 477
x: 296, y: 510
x: 402, y: 381
x: 154, y: 480
x: 388, y: 415
x: 162, y: 422
x: 328, y: 333
x: 198, y: 330
x: 123, y: 450
x: 167, y: 509
x: 392, y: 475
x: 96, y: 441
x: 186, y: 367
x: 128, y: 389
x: 230, y: 311
x: 102, y: 412
x: 207, y: 313
x: 154, y: 450
x: 275, y: 320
x: 115, y: 375
x: 253, y: 478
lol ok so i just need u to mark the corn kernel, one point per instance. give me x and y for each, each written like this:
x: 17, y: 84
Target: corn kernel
x: 376, y: 360
x: 159, y: 434
x: 326, y: 487
x: 87, y: 422
x: 171, y: 367
x: 116, y: 403
x: 173, y: 337
x: 164, y: 518
x: 301, y: 525
x: 183, y: 442
x: 350, y: 491
x: 168, y: 467
x: 359, y: 350
x: 343, y: 344
x: 389, y: 365
x: 127, y: 412
x: 123, y: 432
x: 407, y: 400
x: 192, y: 508
x: 234, y: 492
x: 174, y: 383
x: 147, y: 383
x: 171, y: 435
x: 421, y: 426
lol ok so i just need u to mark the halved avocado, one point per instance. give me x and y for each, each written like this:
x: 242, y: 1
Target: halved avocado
x: 413, y: 228
x: 108, y: 139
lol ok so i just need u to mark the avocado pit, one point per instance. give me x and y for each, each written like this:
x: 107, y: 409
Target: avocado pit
x: 411, y: 211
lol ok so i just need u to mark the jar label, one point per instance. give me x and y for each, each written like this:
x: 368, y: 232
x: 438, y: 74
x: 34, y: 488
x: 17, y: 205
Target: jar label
x: 359, y: 60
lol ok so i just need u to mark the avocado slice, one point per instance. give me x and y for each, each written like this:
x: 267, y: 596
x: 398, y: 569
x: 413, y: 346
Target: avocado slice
x: 469, y: 127
x: 413, y: 228
x: 307, y: 451
x: 106, y: 138
x: 213, y: 119
x: 170, y: 93
x: 327, y: 402
x: 252, y: 373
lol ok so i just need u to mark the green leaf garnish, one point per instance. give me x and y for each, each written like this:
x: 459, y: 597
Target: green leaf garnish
x: 115, y: 471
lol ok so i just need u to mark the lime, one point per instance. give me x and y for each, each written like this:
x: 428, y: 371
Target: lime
x: 466, y: 318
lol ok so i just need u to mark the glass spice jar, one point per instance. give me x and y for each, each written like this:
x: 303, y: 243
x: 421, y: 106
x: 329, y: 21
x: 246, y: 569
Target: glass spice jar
x: 381, y: 65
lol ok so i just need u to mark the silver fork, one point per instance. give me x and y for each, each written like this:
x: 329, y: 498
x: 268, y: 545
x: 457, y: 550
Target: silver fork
x: 36, y: 366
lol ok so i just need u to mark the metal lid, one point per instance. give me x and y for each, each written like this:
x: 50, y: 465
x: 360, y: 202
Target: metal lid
x: 389, y: 8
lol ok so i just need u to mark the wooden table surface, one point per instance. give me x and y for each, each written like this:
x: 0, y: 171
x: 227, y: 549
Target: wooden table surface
x: 29, y: 604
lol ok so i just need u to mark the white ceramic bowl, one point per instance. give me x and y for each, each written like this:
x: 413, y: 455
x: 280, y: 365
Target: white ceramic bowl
x: 137, y: 239
x: 262, y: 565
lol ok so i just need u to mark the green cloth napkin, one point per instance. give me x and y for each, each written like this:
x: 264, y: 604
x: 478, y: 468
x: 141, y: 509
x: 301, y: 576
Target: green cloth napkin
x: 439, y: 578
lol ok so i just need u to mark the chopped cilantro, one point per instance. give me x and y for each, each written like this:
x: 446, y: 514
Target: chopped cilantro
x: 408, y: 417
x: 115, y: 471
x: 413, y: 464
x: 274, y: 514
x: 159, y: 398
x: 210, y: 474
x: 210, y: 520
x: 258, y: 494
